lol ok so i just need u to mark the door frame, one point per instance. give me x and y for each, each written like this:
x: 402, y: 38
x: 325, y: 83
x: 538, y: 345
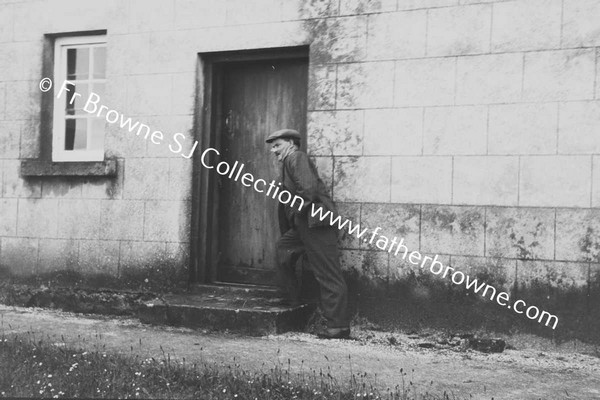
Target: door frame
x: 207, y: 123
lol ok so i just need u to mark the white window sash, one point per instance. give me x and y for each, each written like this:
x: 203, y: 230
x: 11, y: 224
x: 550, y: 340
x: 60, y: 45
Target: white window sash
x: 60, y: 76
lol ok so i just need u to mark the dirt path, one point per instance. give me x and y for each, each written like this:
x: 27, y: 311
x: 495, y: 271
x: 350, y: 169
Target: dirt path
x: 523, y: 374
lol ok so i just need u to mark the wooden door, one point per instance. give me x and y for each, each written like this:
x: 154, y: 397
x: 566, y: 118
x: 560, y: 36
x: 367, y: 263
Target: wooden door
x: 257, y: 98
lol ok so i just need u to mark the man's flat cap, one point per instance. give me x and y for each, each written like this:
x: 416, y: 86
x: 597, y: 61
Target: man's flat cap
x: 283, y: 133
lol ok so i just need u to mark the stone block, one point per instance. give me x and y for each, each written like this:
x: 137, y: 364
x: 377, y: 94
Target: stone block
x: 106, y: 189
x: 559, y: 75
x: 19, y: 255
x: 6, y: 27
x: 196, y: 14
x: 167, y: 221
x: 396, y: 221
x: 401, y: 269
x: 351, y: 212
x: 258, y: 11
x: 30, y: 138
x: 180, y: 179
x: 578, y: 235
x: 555, y: 181
x: 179, y: 253
x: 459, y: 30
x: 22, y: 100
x: 522, y: 128
x: 452, y: 230
x: 79, y: 219
x: 184, y: 93
x: 10, y: 137
x: 15, y: 186
x: 335, y: 132
x: 58, y: 255
x: 365, y: 85
x: 149, y: 94
x: 37, y: 218
x: 548, y: 275
x: 99, y: 257
x: 486, y: 180
x: 397, y: 35
x: 91, y: 15
x: 135, y: 255
x: 8, y: 217
x: 370, y: 265
x: 61, y: 188
x: 416, y: 4
x: 125, y: 54
x: 595, y: 180
x: 421, y: 180
x: 321, y: 87
x: 364, y: 179
x: 15, y: 62
x: 393, y: 131
x: 523, y: 233
x: 526, y: 25
x: 122, y: 219
x: 338, y: 39
x: 256, y: 36
x: 499, y: 273
x: 146, y: 178
x: 143, y: 18
x: 493, y: 78
x: 2, y: 100
x: 352, y: 7
x: 580, y: 23
x: 173, y: 52
x: 325, y: 170
x: 169, y: 126
x: 578, y: 128
x: 455, y: 130
x: 425, y: 82
x: 120, y: 143
x: 308, y: 9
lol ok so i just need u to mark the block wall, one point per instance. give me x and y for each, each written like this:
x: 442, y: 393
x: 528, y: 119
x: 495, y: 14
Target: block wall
x: 469, y: 127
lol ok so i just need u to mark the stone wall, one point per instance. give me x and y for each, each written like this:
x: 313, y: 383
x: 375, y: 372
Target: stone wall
x: 469, y: 127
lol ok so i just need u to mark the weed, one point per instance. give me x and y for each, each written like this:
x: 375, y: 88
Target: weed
x: 44, y: 368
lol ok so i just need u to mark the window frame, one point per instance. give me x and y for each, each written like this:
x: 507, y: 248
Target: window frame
x: 61, y: 45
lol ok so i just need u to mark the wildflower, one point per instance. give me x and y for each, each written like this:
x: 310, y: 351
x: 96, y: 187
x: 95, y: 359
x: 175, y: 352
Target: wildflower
x: 38, y: 382
x: 49, y: 375
x: 224, y: 390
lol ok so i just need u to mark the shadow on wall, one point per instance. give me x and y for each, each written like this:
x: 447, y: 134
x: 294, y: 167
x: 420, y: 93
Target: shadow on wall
x: 418, y: 301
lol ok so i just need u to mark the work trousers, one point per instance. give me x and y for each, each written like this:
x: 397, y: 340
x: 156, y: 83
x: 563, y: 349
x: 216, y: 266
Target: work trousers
x: 320, y: 247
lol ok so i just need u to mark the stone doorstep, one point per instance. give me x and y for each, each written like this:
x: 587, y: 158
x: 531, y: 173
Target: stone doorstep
x: 235, y: 308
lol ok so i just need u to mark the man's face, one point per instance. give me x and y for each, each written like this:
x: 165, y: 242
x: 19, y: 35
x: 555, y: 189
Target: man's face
x: 279, y: 145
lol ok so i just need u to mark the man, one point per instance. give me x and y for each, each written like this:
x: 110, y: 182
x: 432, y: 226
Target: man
x: 303, y: 234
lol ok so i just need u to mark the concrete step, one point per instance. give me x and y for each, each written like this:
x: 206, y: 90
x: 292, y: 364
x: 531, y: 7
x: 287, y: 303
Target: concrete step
x: 247, y: 310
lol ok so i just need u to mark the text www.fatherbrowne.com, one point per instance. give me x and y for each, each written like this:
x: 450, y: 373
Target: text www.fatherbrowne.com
x: 435, y: 266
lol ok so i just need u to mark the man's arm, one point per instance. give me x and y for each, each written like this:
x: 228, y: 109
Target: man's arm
x: 304, y: 176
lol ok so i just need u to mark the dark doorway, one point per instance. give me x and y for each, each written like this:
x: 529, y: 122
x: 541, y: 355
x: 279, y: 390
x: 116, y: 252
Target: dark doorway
x: 251, y: 95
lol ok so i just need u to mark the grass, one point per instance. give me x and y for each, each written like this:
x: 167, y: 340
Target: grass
x: 38, y: 368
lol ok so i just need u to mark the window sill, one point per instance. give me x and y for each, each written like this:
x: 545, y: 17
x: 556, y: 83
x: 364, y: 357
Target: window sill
x: 105, y: 168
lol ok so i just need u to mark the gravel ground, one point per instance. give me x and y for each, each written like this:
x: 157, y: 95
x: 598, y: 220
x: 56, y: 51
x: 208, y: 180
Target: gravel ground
x: 374, y: 357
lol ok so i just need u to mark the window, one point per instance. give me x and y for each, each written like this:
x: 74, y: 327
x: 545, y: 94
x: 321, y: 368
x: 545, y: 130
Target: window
x: 76, y: 134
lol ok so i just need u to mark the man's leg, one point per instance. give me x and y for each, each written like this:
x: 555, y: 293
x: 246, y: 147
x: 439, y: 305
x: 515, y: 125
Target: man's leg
x: 323, y: 255
x: 289, y: 250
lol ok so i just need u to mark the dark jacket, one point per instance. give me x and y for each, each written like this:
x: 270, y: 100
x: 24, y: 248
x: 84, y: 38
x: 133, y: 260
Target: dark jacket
x: 300, y: 177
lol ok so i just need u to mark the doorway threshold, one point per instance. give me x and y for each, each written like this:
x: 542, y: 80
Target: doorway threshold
x: 239, y: 308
